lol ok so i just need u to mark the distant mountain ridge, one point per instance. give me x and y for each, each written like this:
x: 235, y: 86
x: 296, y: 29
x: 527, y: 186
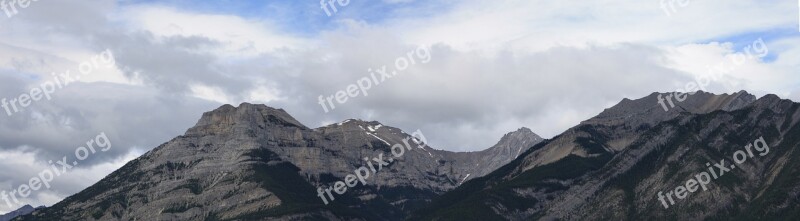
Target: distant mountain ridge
x: 612, y: 166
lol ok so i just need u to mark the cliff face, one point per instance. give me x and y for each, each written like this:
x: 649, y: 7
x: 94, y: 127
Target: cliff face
x: 257, y: 162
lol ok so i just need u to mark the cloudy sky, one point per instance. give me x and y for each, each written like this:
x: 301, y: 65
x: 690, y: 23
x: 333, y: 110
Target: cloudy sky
x: 494, y: 66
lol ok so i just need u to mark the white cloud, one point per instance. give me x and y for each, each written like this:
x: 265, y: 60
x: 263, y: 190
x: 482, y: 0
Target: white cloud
x: 239, y: 36
x: 745, y: 70
x: 538, y: 25
x: 209, y: 93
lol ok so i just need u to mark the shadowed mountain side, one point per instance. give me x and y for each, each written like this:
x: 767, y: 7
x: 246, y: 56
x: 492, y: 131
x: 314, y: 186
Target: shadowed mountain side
x: 613, y: 166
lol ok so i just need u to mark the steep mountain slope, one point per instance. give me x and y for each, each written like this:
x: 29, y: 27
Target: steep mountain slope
x: 613, y: 166
x: 256, y: 162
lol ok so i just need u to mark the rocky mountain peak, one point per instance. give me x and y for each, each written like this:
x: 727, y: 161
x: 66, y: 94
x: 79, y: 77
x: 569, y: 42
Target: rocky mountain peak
x: 513, y: 143
x: 510, y: 146
x: 658, y: 107
x: 699, y: 102
x: 770, y: 100
x: 521, y: 134
x: 228, y: 117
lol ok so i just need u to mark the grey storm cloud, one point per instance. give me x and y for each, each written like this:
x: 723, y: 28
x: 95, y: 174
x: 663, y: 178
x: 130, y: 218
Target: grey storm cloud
x: 465, y: 99
x: 132, y: 117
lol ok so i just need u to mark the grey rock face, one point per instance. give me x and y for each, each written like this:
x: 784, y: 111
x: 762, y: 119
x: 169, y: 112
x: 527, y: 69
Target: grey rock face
x: 254, y: 162
x: 612, y: 167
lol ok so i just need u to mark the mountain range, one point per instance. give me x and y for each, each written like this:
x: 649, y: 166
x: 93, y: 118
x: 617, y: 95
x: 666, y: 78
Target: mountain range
x: 254, y: 162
